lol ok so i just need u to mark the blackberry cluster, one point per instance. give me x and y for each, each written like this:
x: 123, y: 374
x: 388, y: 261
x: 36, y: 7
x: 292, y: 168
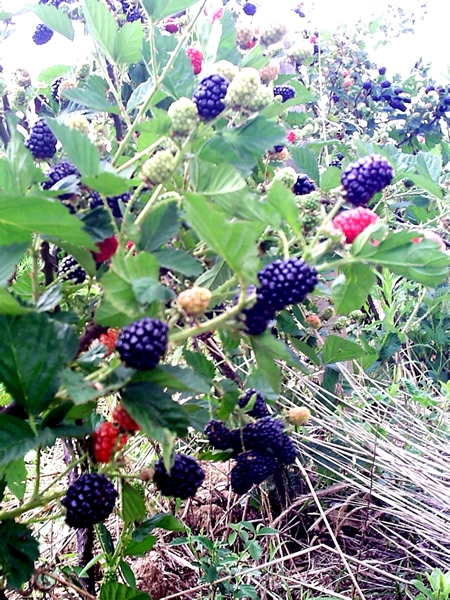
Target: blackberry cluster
x: 183, y: 479
x: 142, y: 343
x: 70, y: 270
x: 42, y: 34
x: 58, y: 172
x: 41, y: 142
x: 89, y: 500
x: 249, y: 9
x: 210, y: 96
x: 365, y: 178
x: 304, y: 185
x: 115, y: 203
x: 259, y: 409
x: 285, y: 91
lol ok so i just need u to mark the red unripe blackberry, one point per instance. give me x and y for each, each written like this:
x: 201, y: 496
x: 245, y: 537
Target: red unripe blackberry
x: 196, y: 58
x: 142, y: 343
x: 259, y: 409
x: 353, y: 222
x: 106, y: 249
x: 123, y: 420
x: 41, y: 142
x: 106, y: 442
x: 366, y: 177
x: 183, y: 479
x: 89, y: 500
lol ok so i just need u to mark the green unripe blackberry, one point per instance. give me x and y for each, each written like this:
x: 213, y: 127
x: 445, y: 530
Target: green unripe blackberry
x: 261, y: 99
x: 158, y: 168
x: 287, y: 176
x: 226, y: 69
x: 301, y: 51
x: 273, y: 33
x: 243, y: 88
x: 184, y: 115
x: 327, y: 313
x: 310, y: 220
x: 310, y: 202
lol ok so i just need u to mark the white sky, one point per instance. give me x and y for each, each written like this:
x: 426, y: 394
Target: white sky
x: 429, y: 41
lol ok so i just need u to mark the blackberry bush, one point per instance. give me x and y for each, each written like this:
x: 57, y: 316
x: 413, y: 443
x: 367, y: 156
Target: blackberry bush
x: 183, y: 479
x: 142, y: 344
x: 89, y: 500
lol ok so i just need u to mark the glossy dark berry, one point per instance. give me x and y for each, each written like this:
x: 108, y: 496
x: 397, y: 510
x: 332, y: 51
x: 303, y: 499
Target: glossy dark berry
x: 398, y: 90
x: 183, y: 479
x: 382, y: 70
x: 397, y: 104
x: 336, y: 163
x: 303, y: 185
x: 209, y: 96
x: 258, y: 317
x: 429, y: 89
x: 251, y: 468
x: 135, y: 14
x: 115, y: 203
x: 285, y: 282
x: 249, y: 9
x: 89, y: 500
x: 70, y: 270
x: 367, y: 85
x: 42, y: 34
x: 41, y: 142
x: 265, y: 434
x: 286, y: 452
x: 285, y: 91
x: 365, y: 178
x: 54, y: 89
x: 218, y: 435
x: 142, y: 343
x: 385, y: 84
x: 278, y: 149
x: 259, y: 409
x: 57, y: 173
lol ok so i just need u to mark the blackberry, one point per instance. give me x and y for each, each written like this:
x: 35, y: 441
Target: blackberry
x: 285, y: 91
x: 251, y: 468
x: 286, y: 452
x: 218, y: 435
x: 183, y: 479
x: 265, y: 434
x: 257, y: 318
x: 385, y: 84
x: 382, y: 70
x: 210, y: 95
x: 70, y: 270
x: 398, y: 90
x: 142, y: 343
x: 285, y: 282
x: 58, y: 172
x: 397, y: 104
x: 367, y: 85
x: 42, y: 34
x: 115, y: 203
x: 249, y: 9
x: 54, y: 89
x: 135, y: 14
x: 365, y: 178
x: 41, y: 142
x: 303, y: 185
x: 336, y: 163
x: 259, y: 409
x: 89, y: 500
x: 278, y: 149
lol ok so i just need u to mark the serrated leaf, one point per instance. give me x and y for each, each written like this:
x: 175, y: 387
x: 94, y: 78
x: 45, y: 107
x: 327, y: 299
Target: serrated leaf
x: 154, y: 410
x: 78, y: 147
x: 161, y: 521
x: 306, y: 162
x: 200, y: 364
x: 282, y: 201
x: 221, y: 179
x: 16, y: 438
x: 120, y: 591
x: 338, y: 349
x: 176, y: 378
x: 158, y: 9
x: 330, y: 179
x: 108, y: 184
x: 16, y: 477
x: 93, y: 95
x: 128, y: 48
x: 159, y: 227
x: 140, y: 548
x: 79, y: 390
x: 351, y: 288
x: 20, y: 172
x: 32, y: 355
x: 9, y: 305
x: 101, y: 25
x: 20, y: 216
x: 133, y: 504
x: 18, y: 551
x: 178, y: 261
x: 55, y: 19
x: 236, y: 242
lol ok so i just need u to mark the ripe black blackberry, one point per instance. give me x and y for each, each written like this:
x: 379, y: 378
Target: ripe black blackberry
x: 218, y: 435
x: 285, y: 282
x: 303, y: 185
x: 251, y: 468
x: 365, y: 178
x: 115, y: 203
x: 258, y: 317
x: 58, y: 172
x: 183, y: 479
x: 41, y: 142
x: 259, y: 409
x: 278, y: 149
x: 285, y: 91
x: 42, y: 34
x: 249, y: 9
x: 135, y: 14
x: 286, y: 452
x: 209, y: 96
x: 142, y: 343
x: 336, y: 163
x: 70, y: 270
x: 54, y: 89
x: 265, y: 435
x: 89, y: 500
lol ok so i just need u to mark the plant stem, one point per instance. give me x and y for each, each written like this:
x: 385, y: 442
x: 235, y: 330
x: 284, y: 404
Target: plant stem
x: 34, y: 503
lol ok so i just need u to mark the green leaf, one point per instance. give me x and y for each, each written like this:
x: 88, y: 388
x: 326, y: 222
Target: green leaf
x: 339, y: 349
x: 330, y: 179
x: 133, y: 504
x: 178, y: 261
x: 422, y: 181
x: 79, y: 390
x: 161, y: 521
x: 159, y: 227
x: 16, y: 477
x: 158, y: 9
x: 140, y: 548
x: 127, y: 573
x: 351, y: 288
x: 267, y: 351
x: 18, y: 551
x: 129, y: 43
x: 32, y: 355
x: 9, y: 305
x: 105, y: 538
x: 306, y: 162
x: 200, y: 364
x: 55, y: 19
x: 19, y: 172
x: 78, y: 147
x: 101, y: 25
x: 236, y: 242
x: 108, y: 183
x: 16, y: 439
x: 154, y: 410
x: 94, y: 95
x: 282, y: 201
x: 175, y: 378
x: 20, y: 216
x: 119, y: 591
x: 221, y: 179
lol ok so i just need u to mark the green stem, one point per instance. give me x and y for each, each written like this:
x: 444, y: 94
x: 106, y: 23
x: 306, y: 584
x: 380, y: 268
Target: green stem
x: 35, y: 268
x: 157, y: 82
x: 149, y: 206
x: 35, y: 503
x: 65, y: 472
x: 37, y: 481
